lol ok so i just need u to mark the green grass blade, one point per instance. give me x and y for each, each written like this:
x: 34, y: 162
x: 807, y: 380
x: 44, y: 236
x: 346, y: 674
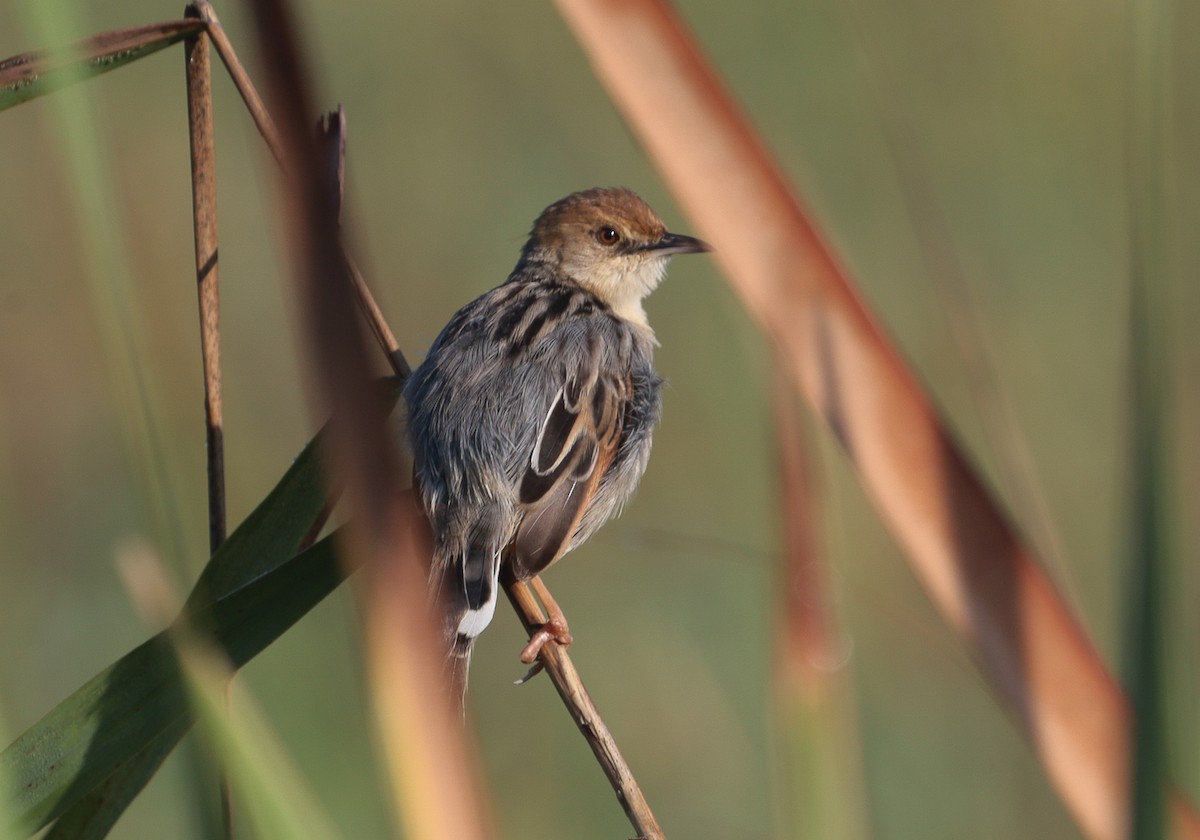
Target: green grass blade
x: 94, y: 815
x: 33, y: 74
x: 1149, y: 559
x: 1145, y: 604
x: 7, y: 831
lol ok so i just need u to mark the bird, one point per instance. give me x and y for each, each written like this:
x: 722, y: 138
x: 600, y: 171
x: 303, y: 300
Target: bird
x: 531, y: 418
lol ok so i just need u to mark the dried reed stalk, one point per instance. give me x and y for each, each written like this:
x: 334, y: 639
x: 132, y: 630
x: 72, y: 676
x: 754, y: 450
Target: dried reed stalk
x: 962, y: 547
x: 204, y: 229
x: 198, y: 72
x: 26, y: 75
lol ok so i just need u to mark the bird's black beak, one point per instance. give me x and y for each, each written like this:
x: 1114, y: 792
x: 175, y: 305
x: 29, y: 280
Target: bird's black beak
x: 677, y: 243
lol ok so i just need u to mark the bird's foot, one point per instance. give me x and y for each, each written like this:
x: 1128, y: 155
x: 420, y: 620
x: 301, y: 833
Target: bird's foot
x: 554, y: 630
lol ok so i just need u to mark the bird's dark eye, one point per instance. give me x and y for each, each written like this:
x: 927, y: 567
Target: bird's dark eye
x: 608, y: 235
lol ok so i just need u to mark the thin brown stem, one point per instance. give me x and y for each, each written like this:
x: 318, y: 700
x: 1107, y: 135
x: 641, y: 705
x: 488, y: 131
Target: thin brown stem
x: 332, y: 131
x: 32, y: 74
x: 204, y: 227
x: 558, y: 666
x: 379, y: 325
x: 241, y: 79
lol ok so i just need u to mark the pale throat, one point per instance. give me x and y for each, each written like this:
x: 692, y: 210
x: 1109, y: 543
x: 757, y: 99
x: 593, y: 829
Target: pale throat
x: 624, y: 284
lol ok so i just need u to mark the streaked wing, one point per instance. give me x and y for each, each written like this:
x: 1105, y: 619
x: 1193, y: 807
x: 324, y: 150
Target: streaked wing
x: 576, y: 445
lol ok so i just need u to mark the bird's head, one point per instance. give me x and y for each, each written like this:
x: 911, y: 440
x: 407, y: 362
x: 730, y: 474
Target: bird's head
x: 608, y: 241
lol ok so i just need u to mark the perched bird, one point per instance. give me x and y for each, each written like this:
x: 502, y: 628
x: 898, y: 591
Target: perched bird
x: 530, y: 420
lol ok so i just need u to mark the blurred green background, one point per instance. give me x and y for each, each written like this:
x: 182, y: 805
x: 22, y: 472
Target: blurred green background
x: 465, y: 120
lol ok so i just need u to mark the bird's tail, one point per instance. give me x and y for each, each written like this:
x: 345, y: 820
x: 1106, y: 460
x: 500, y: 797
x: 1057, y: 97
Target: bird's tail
x: 466, y: 583
x: 458, y: 664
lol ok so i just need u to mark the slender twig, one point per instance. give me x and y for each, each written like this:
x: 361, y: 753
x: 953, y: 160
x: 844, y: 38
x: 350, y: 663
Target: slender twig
x: 558, y: 666
x: 333, y: 128
x: 374, y: 315
x: 32, y: 74
x: 241, y: 79
x: 204, y: 227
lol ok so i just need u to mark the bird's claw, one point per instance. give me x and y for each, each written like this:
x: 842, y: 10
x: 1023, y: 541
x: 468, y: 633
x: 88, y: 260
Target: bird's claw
x: 554, y: 630
x: 533, y: 671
